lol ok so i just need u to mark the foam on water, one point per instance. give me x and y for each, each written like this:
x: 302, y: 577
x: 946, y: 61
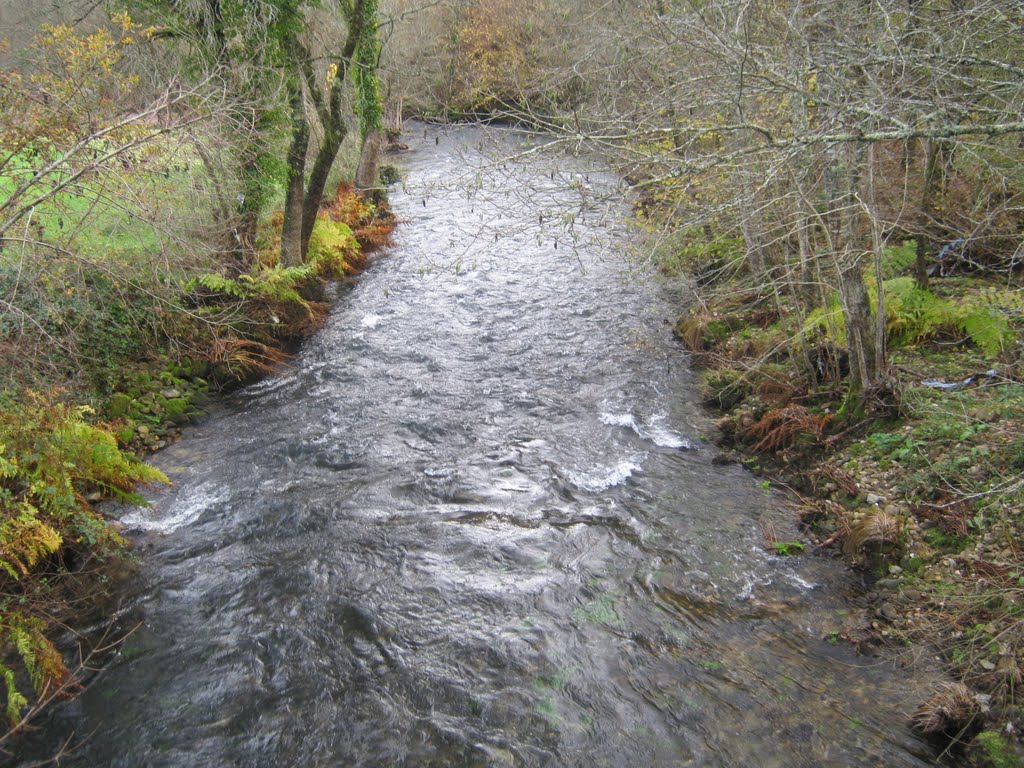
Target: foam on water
x: 186, y: 509
x: 608, y: 477
x: 652, y: 430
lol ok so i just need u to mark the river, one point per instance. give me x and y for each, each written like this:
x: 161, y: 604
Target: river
x: 474, y: 524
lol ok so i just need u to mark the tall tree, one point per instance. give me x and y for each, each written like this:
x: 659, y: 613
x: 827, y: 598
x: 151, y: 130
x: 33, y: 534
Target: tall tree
x: 319, y: 96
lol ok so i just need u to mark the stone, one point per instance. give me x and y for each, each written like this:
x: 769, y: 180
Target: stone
x: 887, y: 584
x: 170, y: 394
x: 888, y: 611
x: 874, y: 499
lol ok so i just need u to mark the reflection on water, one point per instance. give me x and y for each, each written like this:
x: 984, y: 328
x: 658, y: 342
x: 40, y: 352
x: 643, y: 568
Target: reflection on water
x: 473, y: 525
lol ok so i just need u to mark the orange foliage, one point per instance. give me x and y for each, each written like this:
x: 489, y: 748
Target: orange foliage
x: 497, y: 60
x: 780, y: 429
x: 371, y: 224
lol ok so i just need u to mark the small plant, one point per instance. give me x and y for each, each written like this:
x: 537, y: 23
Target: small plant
x: 878, y: 529
x: 788, y: 548
x: 782, y: 428
x: 996, y: 752
x: 949, y: 711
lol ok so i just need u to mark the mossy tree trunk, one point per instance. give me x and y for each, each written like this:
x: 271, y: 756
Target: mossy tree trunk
x: 306, y: 193
x: 851, y: 255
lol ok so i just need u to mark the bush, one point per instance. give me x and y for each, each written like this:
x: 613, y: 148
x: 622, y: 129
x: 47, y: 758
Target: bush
x: 51, y: 460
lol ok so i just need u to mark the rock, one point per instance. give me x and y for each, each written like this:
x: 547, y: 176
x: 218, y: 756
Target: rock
x: 143, y: 430
x: 888, y: 584
x: 895, y: 570
x: 120, y: 404
x: 176, y: 410
x: 170, y: 394
x: 873, y: 499
x: 888, y: 611
x: 988, y: 665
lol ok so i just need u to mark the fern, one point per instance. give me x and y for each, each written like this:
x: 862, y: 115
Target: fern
x: 39, y: 657
x: 913, y: 315
x: 25, y: 540
x: 898, y: 259
x: 16, y: 700
x: 989, y: 329
x: 50, y: 459
x: 332, y: 248
x: 827, y: 322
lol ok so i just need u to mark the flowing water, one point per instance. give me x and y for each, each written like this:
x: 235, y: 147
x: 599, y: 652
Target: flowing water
x: 474, y: 525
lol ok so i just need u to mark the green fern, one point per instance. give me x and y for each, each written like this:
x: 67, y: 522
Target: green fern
x: 16, y: 700
x: 913, y: 315
x: 988, y: 328
x: 331, y: 248
x: 220, y: 284
x: 827, y: 322
x: 898, y: 259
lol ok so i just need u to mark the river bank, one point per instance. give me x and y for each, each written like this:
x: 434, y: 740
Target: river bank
x: 65, y: 563
x: 923, y: 496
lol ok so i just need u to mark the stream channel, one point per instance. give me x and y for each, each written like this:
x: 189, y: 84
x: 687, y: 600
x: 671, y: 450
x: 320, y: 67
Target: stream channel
x: 474, y: 524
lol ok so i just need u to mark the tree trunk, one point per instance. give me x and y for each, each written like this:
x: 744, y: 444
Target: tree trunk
x: 369, y: 161
x: 292, y: 251
x: 850, y: 255
x: 318, y: 182
x: 921, y: 259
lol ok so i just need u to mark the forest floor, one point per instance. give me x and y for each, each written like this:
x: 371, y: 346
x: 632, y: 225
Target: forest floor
x: 924, y: 496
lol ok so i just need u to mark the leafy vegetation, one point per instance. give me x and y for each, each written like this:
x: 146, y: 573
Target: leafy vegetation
x: 53, y: 464
x: 148, y: 257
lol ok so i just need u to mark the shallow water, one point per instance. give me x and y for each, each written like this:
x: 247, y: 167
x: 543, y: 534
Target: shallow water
x: 474, y: 525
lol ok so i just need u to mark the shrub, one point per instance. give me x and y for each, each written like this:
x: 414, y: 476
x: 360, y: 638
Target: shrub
x: 51, y: 460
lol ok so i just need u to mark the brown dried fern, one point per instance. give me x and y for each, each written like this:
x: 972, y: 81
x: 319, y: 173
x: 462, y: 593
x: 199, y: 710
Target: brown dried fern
x: 779, y: 429
x: 878, y: 528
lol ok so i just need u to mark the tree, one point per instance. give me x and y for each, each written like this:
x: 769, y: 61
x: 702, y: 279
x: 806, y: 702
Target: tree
x: 319, y: 96
x: 819, y: 133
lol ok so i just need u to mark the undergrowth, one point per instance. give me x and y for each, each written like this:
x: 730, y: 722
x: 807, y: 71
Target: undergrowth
x: 924, y: 493
x: 149, y: 367
x: 53, y: 463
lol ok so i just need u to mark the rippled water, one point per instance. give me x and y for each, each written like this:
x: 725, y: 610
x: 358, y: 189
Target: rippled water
x: 474, y: 525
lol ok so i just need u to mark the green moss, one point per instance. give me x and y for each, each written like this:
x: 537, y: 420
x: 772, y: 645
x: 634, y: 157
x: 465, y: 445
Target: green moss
x: 996, y: 752
x: 175, y: 409
x: 945, y: 542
